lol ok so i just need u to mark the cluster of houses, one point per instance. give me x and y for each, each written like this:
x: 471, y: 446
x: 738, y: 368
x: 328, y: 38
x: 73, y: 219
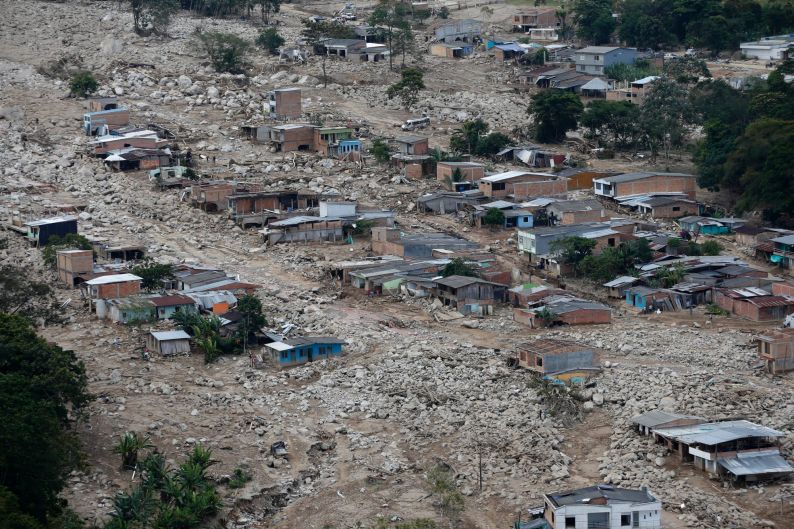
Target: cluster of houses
x: 122, y: 146
x: 734, y: 450
x: 115, y: 294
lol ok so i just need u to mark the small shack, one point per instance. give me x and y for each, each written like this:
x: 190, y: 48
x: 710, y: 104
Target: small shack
x: 297, y: 351
x: 563, y: 360
x: 40, y: 231
x: 168, y: 343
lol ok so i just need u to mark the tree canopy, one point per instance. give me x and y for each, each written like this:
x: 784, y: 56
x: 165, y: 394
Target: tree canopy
x: 226, y: 51
x: 458, y: 267
x: 555, y: 112
x: 153, y: 273
x: 42, y: 390
x: 408, y: 87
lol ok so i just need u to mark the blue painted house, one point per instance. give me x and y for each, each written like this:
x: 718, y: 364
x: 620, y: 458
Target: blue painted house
x: 703, y: 225
x: 641, y: 297
x: 296, y: 351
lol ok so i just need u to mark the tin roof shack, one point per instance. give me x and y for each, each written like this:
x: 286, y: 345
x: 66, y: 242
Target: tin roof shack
x: 768, y: 48
x: 392, y: 241
x: 650, y: 420
x: 594, y: 59
x: 702, y: 225
x: 567, y: 361
x: 739, y: 451
x: 563, y: 309
x: 133, y: 309
x: 101, y: 123
x: 602, y: 507
x: 618, y: 286
x: 576, y: 212
x: 783, y: 253
x: 508, y: 51
x: 284, y: 103
x: 168, y: 343
x: 447, y: 202
x: 755, y: 304
x: 412, y: 145
x: 337, y: 142
x: 291, y: 137
x: 750, y: 236
x: 776, y: 350
x: 167, y: 306
x: 343, y: 47
x: 134, y: 159
x: 40, y: 231
x: 514, y: 215
x: 539, y: 17
x: 452, y: 31
x: 530, y: 293
x: 470, y: 295
x: 304, y: 228
x: 631, y: 184
x: 451, y: 51
x: 297, y: 351
x: 522, y: 184
x: 74, y: 265
x: 451, y: 173
x: 667, y: 207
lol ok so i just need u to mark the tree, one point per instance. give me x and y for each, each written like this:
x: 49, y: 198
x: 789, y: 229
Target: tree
x: 129, y: 446
x: 408, y: 87
x: 381, y: 151
x: 665, y: 113
x: 572, y: 250
x: 253, y: 319
x: 494, y: 217
x: 452, y: 179
x: 646, y: 23
x: 270, y: 40
x: 467, y: 137
x: 450, y: 500
x: 686, y: 70
x: 226, y: 51
x: 594, y: 20
x: 404, y: 42
x: 82, y: 84
x: 153, y: 273
x: 458, y: 267
x: 153, y: 16
x: 759, y: 169
x: 391, y: 15
x: 267, y: 7
x: 554, y: 112
x: 565, y: 30
x: 630, y: 72
x: 492, y: 143
x: 616, y: 122
x: 43, y: 391
x: 20, y: 294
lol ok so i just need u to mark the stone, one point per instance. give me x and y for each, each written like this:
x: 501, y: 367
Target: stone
x: 184, y: 82
x: 111, y: 46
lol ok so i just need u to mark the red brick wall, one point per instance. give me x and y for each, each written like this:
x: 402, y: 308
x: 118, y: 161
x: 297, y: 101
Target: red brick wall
x: 657, y: 184
x: 543, y: 188
x: 118, y: 290
x: 444, y: 171
x: 586, y: 317
x: 783, y: 289
x: 288, y: 104
x: 578, y: 217
x: 413, y: 171
x: 667, y: 212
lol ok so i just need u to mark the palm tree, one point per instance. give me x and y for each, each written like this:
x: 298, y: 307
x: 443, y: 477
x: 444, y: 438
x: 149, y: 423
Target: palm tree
x: 201, y: 456
x: 155, y: 471
x: 129, y: 446
x: 137, y: 506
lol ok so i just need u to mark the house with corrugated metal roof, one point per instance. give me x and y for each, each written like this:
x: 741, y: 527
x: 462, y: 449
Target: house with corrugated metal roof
x: 289, y: 352
x: 168, y: 343
x: 739, y: 451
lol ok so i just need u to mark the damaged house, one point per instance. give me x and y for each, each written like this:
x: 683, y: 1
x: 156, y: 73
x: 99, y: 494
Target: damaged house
x: 776, y: 350
x: 392, y: 241
x: 562, y: 360
x: 470, y: 295
x: 523, y: 184
x: 289, y: 352
x: 602, y: 507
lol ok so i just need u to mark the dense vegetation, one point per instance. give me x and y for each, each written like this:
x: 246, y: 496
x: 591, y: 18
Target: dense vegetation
x: 473, y: 138
x: 749, y: 143
x: 43, y: 390
x: 717, y: 25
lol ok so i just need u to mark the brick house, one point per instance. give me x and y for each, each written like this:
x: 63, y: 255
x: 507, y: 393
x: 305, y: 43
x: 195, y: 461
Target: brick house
x: 285, y: 103
x: 631, y: 184
x: 539, y: 17
x: 292, y: 137
x: 413, y: 145
x: 522, y: 184
x: 755, y: 304
x: 577, y: 211
x: 113, y: 286
x: 470, y: 171
x: 560, y: 359
x: 776, y: 349
x: 667, y: 207
x: 73, y: 265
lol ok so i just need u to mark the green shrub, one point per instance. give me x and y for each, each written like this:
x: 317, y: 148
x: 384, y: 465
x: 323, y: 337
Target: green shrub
x: 83, y: 84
